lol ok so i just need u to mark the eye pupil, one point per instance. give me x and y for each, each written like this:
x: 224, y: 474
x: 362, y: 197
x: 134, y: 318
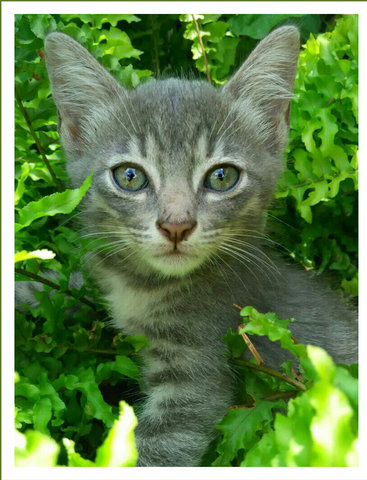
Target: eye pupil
x: 220, y: 174
x: 222, y: 179
x: 130, y: 174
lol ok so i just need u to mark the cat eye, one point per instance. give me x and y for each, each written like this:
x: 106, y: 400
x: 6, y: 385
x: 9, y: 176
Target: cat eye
x: 130, y: 178
x: 222, y: 178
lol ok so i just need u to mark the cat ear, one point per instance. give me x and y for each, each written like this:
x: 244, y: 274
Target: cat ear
x: 262, y: 87
x: 80, y: 87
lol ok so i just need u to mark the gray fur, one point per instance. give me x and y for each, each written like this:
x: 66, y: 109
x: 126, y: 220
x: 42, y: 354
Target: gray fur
x: 177, y: 130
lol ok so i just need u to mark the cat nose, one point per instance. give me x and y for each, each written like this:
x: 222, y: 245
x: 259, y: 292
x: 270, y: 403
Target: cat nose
x: 176, y: 232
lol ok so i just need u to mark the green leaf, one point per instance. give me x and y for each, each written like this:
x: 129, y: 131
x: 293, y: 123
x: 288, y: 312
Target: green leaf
x: 33, y: 449
x: 242, y: 427
x: 41, y: 254
x: 118, y: 449
x: 20, y: 186
x: 235, y: 344
x: 256, y: 25
x: 95, y: 404
x: 42, y: 414
x: 271, y: 326
x: 64, y: 202
x: 74, y: 458
x: 41, y: 25
x: 137, y: 341
x: 318, y: 194
x: 334, y: 441
x: 317, y: 429
x: 119, y: 44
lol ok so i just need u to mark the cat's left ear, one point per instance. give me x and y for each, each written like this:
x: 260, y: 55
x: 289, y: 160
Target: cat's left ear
x: 263, y: 86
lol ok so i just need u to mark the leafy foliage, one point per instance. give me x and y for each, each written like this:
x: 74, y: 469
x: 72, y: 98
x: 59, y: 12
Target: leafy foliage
x: 320, y: 426
x: 34, y: 449
x: 321, y: 178
x: 73, y: 369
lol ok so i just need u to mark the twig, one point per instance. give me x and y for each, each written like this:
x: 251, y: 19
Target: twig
x: 272, y: 372
x: 269, y: 398
x: 202, y: 49
x: 93, y: 350
x: 39, y: 146
x: 51, y: 284
x: 155, y: 47
x: 250, y: 345
x: 281, y: 395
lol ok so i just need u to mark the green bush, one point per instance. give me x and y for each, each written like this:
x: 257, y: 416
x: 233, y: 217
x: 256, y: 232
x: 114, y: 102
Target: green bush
x: 72, y: 368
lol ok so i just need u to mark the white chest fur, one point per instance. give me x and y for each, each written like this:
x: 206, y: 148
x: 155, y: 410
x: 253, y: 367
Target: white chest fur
x: 133, y: 307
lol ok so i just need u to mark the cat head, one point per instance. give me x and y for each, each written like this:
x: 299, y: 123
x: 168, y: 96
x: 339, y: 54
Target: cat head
x: 183, y: 171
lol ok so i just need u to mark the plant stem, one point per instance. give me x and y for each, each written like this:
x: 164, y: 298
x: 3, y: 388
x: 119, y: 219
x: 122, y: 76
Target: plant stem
x: 313, y: 182
x: 39, y: 146
x: 276, y: 396
x: 281, y: 395
x: 272, y: 372
x: 155, y: 47
x: 92, y: 350
x: 202, y: 49
x: 51, y: 284
x: 250, y: 345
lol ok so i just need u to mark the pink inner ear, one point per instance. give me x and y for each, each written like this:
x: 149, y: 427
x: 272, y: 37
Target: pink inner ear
x: 74, y: 130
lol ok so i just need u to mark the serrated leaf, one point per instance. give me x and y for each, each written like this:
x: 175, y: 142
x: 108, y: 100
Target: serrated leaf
x: 271, y: 326
x: 319, y: 193
x: 241, y: 428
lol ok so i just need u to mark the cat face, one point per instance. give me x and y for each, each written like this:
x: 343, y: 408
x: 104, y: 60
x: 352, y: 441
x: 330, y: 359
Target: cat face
x: 182, y: 171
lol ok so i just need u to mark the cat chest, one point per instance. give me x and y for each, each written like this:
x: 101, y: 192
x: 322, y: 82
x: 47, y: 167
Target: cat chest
x: 134, y: 310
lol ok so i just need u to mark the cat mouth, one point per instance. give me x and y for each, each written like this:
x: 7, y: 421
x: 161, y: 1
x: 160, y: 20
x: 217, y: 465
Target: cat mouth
x: 173, y: 253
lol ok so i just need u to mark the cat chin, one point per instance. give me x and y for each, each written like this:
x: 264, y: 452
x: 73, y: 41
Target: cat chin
x: 174, y: 265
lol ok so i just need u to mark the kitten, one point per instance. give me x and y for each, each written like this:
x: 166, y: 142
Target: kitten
x: 183, y: 173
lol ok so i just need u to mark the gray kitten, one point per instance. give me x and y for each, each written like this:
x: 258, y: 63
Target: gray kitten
x: 183, y: 173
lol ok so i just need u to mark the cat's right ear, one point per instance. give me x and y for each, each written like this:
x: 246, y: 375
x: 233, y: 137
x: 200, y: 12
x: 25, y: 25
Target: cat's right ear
x: 81, y: 88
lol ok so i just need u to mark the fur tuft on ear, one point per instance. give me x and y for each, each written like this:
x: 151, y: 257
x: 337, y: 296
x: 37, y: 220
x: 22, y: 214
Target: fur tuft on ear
x: 80, y: 87
x: 263, y: 86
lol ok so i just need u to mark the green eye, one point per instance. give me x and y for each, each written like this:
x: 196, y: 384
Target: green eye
x: 130, y: 178
x: 222, y: 178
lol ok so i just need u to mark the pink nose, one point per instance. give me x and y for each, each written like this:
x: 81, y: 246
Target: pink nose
x: 176, y: 232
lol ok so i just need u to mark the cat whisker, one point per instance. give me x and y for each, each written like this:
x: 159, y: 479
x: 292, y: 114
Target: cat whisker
x: 117, y: 250
x: 216, y: 264
x: 216, y: 255
x: 70, y: 218
x: 269, y: 264
x: 248, y: 258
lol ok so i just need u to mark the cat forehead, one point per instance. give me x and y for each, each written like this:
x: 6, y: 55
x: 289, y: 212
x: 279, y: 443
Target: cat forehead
x: 175, y: 107
x: 177, y: 123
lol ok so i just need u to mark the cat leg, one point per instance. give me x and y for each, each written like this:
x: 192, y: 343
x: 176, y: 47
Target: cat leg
x: 186, y: 397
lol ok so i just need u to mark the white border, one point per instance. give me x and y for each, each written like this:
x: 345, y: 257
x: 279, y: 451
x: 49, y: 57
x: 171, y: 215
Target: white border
x: 9, y: 472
